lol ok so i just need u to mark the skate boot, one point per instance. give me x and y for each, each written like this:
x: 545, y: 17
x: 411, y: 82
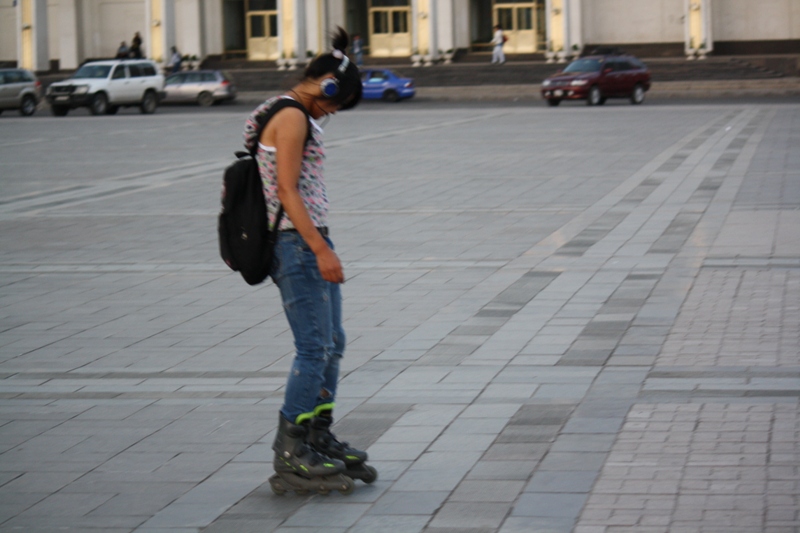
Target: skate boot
x: 300, y: 468
x: 322, y: 439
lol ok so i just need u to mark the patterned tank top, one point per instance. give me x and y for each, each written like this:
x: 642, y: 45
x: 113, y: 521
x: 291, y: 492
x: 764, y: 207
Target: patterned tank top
x: 311, y: 184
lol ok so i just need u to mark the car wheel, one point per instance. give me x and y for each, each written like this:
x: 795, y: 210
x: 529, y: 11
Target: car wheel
x: 390, y: 96
x: 149, y: 103
x: 595, y: 96
x: 99, y: 104
x: 553, y: 102
x: 112, y: 110
x: 637, y: 96
x: 59, y: 110
x: 28, y: 106
x: 205, y: 99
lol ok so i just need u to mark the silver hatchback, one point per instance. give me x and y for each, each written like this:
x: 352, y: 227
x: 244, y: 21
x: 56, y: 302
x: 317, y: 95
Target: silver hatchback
x: 204, y: 87
x: 19, y: 89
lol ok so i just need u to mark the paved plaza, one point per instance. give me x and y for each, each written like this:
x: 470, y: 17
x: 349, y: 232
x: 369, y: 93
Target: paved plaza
x: 561, y: 320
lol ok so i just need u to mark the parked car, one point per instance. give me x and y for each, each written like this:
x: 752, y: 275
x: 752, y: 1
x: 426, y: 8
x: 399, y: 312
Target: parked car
x: 105, y: 86
x: 383, y: 84
x: 204, y: 87
x: 19, y: 89
x: 596, y: 78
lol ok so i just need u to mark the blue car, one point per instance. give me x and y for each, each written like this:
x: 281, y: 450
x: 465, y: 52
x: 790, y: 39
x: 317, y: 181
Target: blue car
x: 383, y: 84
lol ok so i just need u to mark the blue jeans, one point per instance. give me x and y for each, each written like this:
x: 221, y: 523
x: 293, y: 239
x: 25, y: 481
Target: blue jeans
x: 313, y: 307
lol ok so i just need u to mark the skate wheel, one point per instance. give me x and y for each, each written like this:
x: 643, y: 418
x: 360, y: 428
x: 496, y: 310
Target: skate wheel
x: 347, y: 486
x: 277, y: 487
x: 371, y: 474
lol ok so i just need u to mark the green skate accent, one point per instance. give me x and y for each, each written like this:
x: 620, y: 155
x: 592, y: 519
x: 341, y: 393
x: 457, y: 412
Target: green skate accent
x: 330, y: 465
x: 304, y: 468
x: 352, y: 457
x: 303, y: 417
x: 323, y: 407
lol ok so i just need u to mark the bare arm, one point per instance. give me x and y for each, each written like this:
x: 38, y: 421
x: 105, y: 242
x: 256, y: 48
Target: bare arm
x: 287, y: 133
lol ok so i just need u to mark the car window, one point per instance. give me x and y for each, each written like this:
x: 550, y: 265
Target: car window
x: 14, y: 76
x: 635, y: 63
x: 134, y: 71
x: 27, y: 76
x: 193, y: 77
x: 584, y: 65
x: 209, y: 76
x: 119, y: 72
x: 176, y: 79
x: 377, y: 77
x: 92, y: 71
x: 147, y: 69
x: 2, y: 78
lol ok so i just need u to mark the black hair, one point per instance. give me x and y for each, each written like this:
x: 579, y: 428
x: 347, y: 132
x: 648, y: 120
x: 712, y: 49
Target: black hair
x: 349, y: 93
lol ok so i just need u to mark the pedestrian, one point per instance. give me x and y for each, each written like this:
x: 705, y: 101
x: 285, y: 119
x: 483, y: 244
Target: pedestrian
x: 358, y: 50
x: 135, y: 50
x: 308, y: 273
x: 122, y: 51
x: 175, y: 61
x: 498, y: 57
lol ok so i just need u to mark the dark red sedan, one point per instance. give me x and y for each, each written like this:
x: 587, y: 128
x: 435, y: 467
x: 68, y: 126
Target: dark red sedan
x: 595, y: 78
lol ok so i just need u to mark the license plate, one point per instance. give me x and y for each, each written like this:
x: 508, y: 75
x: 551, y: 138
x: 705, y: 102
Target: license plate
x: 558, y: 92
x: 61, y: 98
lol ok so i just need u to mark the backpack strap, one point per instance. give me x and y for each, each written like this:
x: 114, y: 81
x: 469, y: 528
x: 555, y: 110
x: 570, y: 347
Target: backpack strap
x: 282, y: 103
x: 262, y: 123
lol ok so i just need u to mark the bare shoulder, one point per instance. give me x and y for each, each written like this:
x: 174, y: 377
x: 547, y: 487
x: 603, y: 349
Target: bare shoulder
x: 289, y: 121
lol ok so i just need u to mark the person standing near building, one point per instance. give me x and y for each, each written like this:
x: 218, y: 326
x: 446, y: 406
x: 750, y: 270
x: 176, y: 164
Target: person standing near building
x: 498, y: 57
x: 136, y: 46
x: 308, y: 273
x: 175, y: 61
x: 122, y: 51
x: 358, y: 50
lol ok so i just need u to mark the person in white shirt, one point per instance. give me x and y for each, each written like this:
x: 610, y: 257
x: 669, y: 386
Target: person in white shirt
x: 498, y: 57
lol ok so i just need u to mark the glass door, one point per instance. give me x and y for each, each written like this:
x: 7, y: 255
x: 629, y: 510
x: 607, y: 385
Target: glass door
x: 389, y: 28
x: 262, y: 30
x: 520, y: 23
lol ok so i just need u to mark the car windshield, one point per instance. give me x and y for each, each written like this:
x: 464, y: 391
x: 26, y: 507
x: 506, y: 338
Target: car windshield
x: 583, y: 65
x: 92, y: 71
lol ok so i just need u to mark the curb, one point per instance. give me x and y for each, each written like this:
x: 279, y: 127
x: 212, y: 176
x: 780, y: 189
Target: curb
x: 780, y: 87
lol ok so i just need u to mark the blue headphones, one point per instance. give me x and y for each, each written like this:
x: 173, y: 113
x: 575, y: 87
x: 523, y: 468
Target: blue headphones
x: 330, y: 86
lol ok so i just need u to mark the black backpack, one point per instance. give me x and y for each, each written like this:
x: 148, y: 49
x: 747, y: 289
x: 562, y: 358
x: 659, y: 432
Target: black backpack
x: 246, y: 243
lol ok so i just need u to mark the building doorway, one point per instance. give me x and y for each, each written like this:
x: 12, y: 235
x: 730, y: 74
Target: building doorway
x: 389, y: 28
x: 262, y: 30
x: 523, y: 23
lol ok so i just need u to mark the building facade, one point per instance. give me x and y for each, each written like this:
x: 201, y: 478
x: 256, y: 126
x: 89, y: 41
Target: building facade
x: 40, y: 34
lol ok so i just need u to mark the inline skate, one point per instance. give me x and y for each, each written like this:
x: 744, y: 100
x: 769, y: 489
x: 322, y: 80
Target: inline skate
x: 300, y: 468
x: 324, y: 441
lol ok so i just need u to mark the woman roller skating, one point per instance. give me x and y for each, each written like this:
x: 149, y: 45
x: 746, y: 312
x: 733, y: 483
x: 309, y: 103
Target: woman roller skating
x: 308, y: 457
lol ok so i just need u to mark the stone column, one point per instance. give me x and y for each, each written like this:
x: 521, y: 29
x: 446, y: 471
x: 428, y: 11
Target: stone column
x: 697, y: 28
x: 32, y: 48
x: 68, y: 32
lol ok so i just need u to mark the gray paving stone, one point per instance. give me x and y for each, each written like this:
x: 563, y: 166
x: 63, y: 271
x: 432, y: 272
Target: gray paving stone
x: 418, y: 502
x: 555, y: 505
x: 510, y: 330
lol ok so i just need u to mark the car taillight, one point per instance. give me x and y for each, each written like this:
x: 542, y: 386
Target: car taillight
x: 37, y: 84
x: 225, y: 83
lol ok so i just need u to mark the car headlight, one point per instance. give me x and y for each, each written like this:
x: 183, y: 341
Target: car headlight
x: 578, y: 82
x: 545, y: 83
x: 81, y: 89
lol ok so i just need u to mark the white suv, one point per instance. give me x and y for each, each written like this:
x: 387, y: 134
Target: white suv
x: 104, y: 86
